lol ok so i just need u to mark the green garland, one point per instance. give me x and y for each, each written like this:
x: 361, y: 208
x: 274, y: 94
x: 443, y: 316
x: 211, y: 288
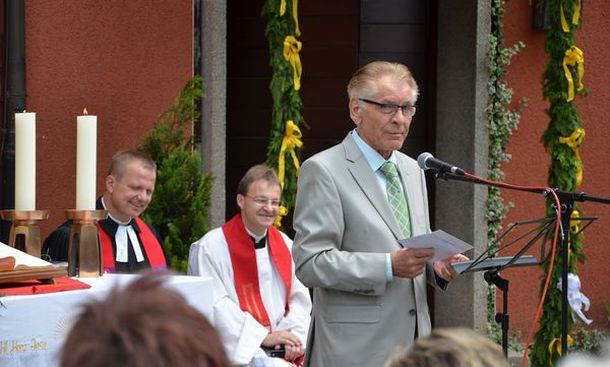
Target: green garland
x: 500, y: 122
x: 284, y: 147
x: 561, y: 139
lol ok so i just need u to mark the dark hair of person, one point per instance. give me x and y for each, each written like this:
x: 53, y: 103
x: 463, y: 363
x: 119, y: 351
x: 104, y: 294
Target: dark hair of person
x: 255, y: 173
x: 144, y: 324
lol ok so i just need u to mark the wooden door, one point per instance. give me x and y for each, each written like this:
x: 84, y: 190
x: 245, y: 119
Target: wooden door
x: 338, y: 36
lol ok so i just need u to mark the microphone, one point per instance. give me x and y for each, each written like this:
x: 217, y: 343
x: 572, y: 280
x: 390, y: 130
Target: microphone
x: 427, y: 161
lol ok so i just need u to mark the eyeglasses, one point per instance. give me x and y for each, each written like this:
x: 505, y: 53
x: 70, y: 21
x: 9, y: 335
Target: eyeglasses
x: 262, y: 201
x: 390, y: 108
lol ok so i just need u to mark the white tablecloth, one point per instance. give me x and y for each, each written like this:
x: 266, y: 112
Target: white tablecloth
x: 33, y: 328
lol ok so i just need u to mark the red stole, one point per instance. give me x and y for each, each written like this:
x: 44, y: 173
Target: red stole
x: 148, y: 241
x: 243, y: 261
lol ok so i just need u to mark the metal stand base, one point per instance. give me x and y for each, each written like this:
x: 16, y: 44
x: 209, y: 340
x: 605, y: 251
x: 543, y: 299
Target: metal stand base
x: 84, y: 250
x: 25, y: 233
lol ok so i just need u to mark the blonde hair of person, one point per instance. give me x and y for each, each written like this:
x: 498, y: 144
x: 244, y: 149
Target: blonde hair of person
x: 363, y: 83
x: 450, y: 347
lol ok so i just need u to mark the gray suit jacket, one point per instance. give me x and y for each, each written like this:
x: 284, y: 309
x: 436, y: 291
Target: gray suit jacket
x: 344, y: 229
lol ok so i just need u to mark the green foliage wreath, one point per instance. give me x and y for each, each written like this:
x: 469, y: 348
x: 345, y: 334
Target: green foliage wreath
x: 285, y: 143
x: 562, y: 139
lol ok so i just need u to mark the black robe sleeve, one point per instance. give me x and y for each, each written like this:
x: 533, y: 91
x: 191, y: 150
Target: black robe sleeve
x: 55, y: 246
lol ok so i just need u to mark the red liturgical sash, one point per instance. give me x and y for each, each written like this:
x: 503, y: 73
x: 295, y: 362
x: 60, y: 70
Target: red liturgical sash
x: 149, y: 243
x: 243, y: 260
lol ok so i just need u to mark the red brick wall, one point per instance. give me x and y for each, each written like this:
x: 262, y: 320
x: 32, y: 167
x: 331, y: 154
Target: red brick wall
x: 530, y: 161
x: 125, y: 61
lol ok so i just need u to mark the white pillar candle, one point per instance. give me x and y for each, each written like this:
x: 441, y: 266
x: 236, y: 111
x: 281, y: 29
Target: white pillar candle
x: 25, y: 161
x: 86, y: 161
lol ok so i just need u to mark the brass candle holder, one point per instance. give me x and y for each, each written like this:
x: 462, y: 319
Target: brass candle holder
x: 84, y: 250
x: 25, y: 233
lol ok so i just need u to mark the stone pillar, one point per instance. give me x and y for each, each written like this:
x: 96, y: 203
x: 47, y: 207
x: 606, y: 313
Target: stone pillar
x: 462, y: 139
x: 213, y: 107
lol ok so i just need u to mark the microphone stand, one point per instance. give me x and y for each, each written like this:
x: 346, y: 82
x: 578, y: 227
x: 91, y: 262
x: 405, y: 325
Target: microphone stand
x: 566, y: 200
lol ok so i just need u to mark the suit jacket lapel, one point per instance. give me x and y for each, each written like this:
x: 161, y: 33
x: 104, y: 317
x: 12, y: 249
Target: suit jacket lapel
x: 366, y: 180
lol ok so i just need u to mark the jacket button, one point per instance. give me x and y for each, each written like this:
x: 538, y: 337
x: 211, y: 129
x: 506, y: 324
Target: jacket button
x: 412, y: 312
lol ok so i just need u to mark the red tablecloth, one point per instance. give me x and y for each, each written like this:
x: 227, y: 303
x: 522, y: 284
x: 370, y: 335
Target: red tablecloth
x: 37, y: 287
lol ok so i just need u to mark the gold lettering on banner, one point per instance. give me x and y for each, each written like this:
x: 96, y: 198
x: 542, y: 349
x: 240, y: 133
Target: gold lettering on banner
x: 10, y: 347
x: 13, y: 347
x: 36, y: 345
x: 3, y: 347
x: 18, y: 347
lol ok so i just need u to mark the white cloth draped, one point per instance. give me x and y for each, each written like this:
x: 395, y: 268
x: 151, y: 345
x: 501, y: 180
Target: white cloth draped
x: 242, y: 335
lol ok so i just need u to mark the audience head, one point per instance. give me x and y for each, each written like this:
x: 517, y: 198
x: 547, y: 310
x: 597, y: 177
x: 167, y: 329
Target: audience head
x: 382, y: 98
x: 258, y: 197
x: 582, y: 359
x: 143, y: 324
x: 130, y: 184
x: 450, y: 347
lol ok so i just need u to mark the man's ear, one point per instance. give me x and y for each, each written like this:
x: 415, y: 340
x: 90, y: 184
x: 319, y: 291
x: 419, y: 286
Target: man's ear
x: 355, y: 110
x: 110, y: 182
x: 241, y: 201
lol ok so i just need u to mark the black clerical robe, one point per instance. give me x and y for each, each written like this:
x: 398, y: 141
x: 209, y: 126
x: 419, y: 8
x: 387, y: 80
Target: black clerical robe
x: 55, y: 246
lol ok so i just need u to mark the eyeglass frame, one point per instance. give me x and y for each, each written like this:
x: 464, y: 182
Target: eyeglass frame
x: 408, y: 110
x: 262, y: 201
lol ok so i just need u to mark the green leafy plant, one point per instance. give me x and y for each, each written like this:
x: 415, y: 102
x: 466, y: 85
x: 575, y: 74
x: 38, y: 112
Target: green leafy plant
x: 494, y: 331
x: 179, y: 209
x: 590, y: 341
x: 501, y: 121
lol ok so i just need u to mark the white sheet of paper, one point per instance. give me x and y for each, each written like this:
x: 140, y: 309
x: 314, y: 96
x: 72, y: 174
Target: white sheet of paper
x: 22, y: 259
x: 444, y: 244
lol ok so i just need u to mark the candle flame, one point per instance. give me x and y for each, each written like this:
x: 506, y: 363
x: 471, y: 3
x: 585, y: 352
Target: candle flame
x: 85, y: 112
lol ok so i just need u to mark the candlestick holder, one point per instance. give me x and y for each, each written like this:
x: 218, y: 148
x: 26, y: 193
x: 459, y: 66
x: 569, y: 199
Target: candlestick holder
x: 25, y: 233
x: 84, y: 249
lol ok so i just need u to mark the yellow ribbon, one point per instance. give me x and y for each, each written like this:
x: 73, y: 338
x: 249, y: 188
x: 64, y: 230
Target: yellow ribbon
x: 292, y: 139
x: 575, y: 223
x: 295, y: 7
x: 574, y: 141
x: 277, y: 223
x: 291, y: 54
x: 556, y: 343
x: 575, y: 16
x: 573, y: 56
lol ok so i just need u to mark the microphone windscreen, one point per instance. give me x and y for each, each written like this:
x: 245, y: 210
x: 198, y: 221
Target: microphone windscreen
x: 421, y: 160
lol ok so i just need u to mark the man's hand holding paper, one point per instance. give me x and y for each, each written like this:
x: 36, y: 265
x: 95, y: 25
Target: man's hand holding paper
x: 410, y: 262
x: 446, y: 248
x: 445, y: 270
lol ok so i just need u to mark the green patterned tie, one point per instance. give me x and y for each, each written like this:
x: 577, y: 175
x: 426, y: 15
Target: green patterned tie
x: 396, y: 197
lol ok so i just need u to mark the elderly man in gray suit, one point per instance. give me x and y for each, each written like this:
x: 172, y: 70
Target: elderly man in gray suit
x: 354, y: 201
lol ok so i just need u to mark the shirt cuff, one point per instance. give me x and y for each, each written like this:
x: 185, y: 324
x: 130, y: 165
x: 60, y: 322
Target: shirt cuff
x: 389, y: 276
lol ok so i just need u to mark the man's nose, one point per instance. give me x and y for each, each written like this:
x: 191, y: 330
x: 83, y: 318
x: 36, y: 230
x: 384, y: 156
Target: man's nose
x: 143, y: 195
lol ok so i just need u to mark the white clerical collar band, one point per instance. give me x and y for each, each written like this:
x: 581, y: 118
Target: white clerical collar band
x: 119, y: 222
x: 256, y: 238
x: 120, y: 238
